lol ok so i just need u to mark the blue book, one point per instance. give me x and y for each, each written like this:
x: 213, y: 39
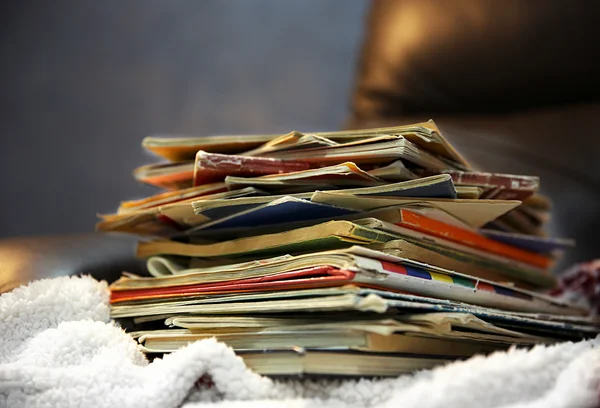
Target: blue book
x: 541, y: 245
x: 440, y: 186
x: 289, y: 211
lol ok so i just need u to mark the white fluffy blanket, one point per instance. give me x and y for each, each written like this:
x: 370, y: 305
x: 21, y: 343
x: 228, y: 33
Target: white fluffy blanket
x: 58, y: 348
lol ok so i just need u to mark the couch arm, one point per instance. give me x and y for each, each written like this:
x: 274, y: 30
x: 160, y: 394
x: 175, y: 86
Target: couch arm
x: 103, y: 256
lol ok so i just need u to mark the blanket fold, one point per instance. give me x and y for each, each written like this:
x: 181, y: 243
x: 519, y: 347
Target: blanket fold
x: 58, y: 347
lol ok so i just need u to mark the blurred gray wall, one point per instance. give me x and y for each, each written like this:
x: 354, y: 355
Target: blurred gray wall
x: 82, y: 82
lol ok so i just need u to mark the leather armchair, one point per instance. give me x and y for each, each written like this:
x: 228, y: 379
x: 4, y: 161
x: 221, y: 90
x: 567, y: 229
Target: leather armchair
x: 514, y: 84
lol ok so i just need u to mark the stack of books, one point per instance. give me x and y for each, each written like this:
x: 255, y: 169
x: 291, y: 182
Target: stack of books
x: 370, y: 252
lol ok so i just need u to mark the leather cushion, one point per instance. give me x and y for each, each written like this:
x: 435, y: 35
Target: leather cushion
x: 477, y: 56
x: 102, y: 256
x: 559, y: 145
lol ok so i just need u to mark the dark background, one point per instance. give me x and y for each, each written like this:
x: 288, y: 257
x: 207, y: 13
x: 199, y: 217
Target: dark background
x: 82, y: 83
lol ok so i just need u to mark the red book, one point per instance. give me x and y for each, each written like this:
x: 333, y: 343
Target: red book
x: 498, y: 186
x: 212, y: 167
x: 313, y: 277
x: 168, y: 176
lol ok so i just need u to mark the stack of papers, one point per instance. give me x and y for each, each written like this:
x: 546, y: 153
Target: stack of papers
x: 355, y: 253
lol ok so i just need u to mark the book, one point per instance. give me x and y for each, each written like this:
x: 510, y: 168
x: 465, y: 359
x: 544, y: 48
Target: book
x: 426, y: 135
x: 475, y: 213
x: 444, y: 326
x: 450, y: 335
x: 429, y: 187
x: 518, y: 221
x: 454, y: 258
x: 378, y: 149
x: 469, y: 192
x: 285, y: 210
x: 439, y: 186
x: 144, y: 310
x: 168, y: 176
x: 163, y: 220
x: 407, y: 243
x: 339, y: 363
x: 169, y: 197
x: 418, y: 222
x: 514, y: 270
x: 498, y: 186
x: 289, y: 142
x: 542, y: 245
x: 325, y: 250
x: 182, y: 213
x: 339, y: 303
x: 329, y: 235
x: 177, y: 148
x: 344, y: 174
x: 403, y: 276
x: 172, y: 274
x: 163, y: 266
x: 362, y: 267
x: 393, y: 172
x: 286, y: 213
x: 214, y: 167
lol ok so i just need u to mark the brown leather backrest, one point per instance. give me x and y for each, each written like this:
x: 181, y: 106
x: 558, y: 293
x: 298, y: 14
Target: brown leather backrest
x: 103, y: 256
x: 513, y: 84
x: 477, y: 56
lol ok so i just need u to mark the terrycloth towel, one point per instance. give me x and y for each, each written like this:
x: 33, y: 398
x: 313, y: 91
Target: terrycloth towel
x: 59, y: 349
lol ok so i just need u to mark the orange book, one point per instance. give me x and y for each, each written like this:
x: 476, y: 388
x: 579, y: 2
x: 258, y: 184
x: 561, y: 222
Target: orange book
x: 168, y: 176
x: 472, y: 239
x: 172, y: 196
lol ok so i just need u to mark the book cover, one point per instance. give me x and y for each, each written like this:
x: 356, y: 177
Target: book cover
x: 439, y: 186
x: 283, y: 210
